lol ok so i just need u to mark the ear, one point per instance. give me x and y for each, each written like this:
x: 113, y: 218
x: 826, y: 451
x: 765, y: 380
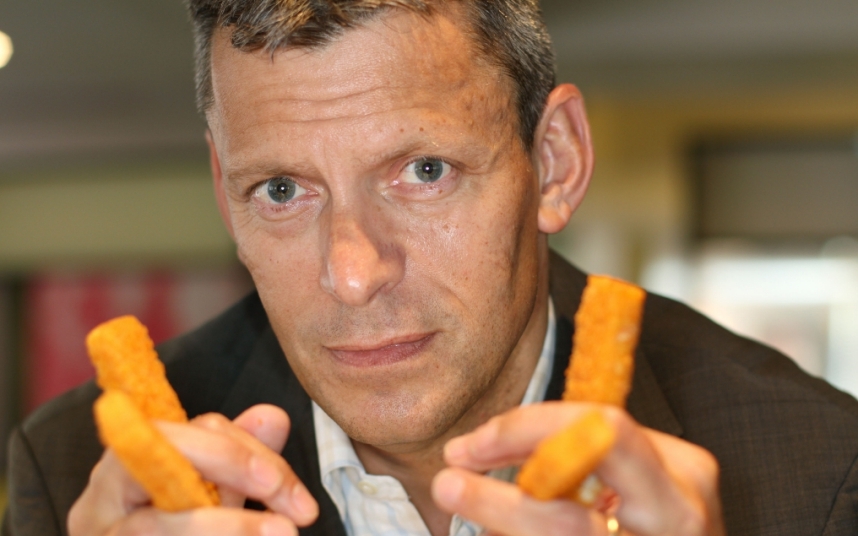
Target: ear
x: 217, y: 176
x: 564, y: 156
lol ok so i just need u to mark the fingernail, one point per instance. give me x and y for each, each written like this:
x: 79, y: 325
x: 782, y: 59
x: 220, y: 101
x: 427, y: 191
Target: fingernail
x: 304, y: 503
x: 448, y: 489
x: 277, y: 526
x: 267, y: 475
x: 456, y: 450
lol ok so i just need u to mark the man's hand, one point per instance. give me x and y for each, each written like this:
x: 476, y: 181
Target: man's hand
x: 241, y: 457
x: 666, y: 486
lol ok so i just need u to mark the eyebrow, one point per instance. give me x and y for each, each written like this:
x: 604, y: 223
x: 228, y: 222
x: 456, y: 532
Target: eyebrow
x: 417, y: 145
x: 266, y: 169
x: 377, y: 160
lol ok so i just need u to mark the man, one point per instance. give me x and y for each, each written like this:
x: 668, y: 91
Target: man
x: 389, y: 171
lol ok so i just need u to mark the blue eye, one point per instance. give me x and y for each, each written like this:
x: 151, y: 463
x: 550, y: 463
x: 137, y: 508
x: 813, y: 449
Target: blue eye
x: 427, y: 170
x: 281, y: 189
x: 278, y: 191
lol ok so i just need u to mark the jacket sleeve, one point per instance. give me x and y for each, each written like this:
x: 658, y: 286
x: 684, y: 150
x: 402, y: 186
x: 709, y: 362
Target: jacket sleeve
x: 843, y: 519
x: 30, y: 511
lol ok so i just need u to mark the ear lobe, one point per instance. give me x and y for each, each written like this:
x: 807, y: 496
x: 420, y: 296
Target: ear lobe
x: 217, y: 178
x: 564, y: 152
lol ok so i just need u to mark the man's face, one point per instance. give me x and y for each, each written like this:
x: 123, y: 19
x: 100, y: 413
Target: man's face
x: 381, y: 199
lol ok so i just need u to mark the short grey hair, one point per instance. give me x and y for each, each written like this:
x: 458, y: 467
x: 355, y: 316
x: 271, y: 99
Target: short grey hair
x: 510, y: 33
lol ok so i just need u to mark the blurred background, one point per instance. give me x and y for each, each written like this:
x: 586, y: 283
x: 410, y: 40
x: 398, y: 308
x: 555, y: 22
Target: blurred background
x: 727, y: 174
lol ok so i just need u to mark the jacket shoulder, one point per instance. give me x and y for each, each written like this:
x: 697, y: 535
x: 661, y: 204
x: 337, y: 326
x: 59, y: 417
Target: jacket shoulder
x: 50, y: 457
x: 786, y: 442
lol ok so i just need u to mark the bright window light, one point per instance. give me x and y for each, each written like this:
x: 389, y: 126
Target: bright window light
x: 5, y: 49
x: 804, y: 305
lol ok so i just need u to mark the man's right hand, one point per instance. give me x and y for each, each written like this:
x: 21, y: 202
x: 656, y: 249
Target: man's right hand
x: 241, y: 457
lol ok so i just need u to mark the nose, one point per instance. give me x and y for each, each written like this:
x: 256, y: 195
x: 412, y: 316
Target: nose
x: 361, y: 261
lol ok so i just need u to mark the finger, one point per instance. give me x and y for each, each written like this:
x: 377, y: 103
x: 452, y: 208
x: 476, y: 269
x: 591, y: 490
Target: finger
x: 111, y: 481
x: 503, y: 508
x: 204, y: 522
x: 695, y: 470
x: 263, y: 423
x: 510, y: 438
x: 110, y: 494
x: 653, y: 500
x: 229, y: 456
x: 269, y: 424
x: 689, y: 464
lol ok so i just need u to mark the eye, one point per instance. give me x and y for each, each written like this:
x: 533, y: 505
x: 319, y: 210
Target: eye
x: 278, y: 190
x: 426, y: 170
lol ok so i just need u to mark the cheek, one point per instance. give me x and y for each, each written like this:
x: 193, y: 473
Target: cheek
x: 283, y: 270
x: 486, y: 243
x: 478, y: 263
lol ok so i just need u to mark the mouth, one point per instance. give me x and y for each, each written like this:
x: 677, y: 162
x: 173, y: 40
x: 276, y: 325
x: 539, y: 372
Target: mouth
x: 384, y: 353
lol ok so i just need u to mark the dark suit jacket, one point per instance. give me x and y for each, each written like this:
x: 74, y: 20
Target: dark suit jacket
x: 786, y: 442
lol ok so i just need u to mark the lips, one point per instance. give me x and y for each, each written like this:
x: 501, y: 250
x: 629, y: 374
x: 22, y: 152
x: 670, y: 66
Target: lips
x: 385, y: 353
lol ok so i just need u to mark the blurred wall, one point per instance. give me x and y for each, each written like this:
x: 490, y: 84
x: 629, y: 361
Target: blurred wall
x: 639, y: 204
x: 116, y: 215
x: 660, y: 76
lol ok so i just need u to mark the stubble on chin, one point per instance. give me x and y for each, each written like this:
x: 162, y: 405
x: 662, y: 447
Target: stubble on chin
x: 412, y: 417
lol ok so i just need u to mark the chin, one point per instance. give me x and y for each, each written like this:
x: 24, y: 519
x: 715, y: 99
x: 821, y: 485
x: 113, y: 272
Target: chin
x: 397, y: 420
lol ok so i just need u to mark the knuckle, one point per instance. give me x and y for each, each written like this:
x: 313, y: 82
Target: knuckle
x: 140, y: 523
x: 693, y: 522
x: 565, y: 525
x: 236, y: 452
x: 554, y: 518
x: 75, y: 519
x: 706, y: 471
x: 103, y: 468
x: 212, y: 421
x: 709, y: 464
x: 561, y: 528
x: 269, y: 524
x: 621, y: 421
x: 502, y: 424
x: 616, y: 415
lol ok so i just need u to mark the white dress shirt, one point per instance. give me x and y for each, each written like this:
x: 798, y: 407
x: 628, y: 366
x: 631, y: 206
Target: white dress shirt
x: 377, y: 505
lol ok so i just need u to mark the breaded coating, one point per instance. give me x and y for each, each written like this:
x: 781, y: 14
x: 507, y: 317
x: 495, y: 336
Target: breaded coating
x: 562, y: 462
x: 126, y: 363
x: 167, y: 476
x: 607, y: 326
x: 125, y: 359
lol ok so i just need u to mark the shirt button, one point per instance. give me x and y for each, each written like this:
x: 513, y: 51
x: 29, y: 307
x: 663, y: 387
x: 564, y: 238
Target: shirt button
x: 367, y: 488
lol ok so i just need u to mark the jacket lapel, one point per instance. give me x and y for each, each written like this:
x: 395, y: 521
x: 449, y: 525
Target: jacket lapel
x: 268, y: 379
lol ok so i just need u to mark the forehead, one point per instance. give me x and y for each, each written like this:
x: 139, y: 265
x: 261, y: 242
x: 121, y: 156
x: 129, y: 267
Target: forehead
x: 401, y: 61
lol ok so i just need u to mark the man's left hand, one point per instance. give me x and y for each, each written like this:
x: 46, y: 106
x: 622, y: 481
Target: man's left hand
x: 666, y: 486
